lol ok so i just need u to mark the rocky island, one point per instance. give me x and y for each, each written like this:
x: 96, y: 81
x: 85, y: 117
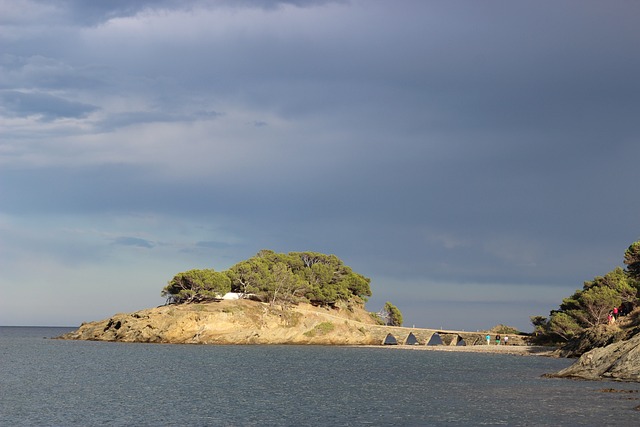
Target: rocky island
x: 294, y: 298
x: 240, y: 321
x: 245, y: 321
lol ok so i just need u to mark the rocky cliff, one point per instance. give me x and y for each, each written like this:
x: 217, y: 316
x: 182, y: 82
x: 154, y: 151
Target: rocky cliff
x: 617, y: 361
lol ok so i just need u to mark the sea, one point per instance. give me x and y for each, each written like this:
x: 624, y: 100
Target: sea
x: 50, y: 382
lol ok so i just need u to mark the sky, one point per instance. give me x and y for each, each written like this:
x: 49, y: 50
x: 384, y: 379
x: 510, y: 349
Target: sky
x: 478, y: 161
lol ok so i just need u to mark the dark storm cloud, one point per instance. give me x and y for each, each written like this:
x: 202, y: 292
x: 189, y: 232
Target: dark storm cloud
x: 422, y: 205
x: 426, y: 143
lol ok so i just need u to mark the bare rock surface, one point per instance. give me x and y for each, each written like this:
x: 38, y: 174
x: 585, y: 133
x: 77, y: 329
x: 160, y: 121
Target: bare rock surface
x: 233, y: 322
x: 617, y: 361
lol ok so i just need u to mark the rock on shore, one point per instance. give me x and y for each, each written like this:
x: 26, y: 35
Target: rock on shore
x: 617, y: 361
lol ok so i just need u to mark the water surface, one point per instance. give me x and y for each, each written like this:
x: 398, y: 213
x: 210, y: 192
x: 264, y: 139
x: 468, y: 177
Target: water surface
x: 46, y: 382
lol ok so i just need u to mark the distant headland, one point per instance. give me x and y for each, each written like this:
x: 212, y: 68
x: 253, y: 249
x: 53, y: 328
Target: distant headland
x: 274, y: 298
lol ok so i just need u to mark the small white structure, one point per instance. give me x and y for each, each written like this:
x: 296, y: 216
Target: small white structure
x: 232, y: 295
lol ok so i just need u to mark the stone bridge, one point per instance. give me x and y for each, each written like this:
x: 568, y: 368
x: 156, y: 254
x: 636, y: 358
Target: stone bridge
x: 448, y: 337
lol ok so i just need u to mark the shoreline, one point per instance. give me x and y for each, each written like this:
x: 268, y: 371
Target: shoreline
x: 518, y: 350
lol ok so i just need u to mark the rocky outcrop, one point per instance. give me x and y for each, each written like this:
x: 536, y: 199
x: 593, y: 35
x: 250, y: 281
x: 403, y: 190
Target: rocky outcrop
x: 250, y: 322
x: 233, y: 322
x: 598, y: 337
x: 617, y: 361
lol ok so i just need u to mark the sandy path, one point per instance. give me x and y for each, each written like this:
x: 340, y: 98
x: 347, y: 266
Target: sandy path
x: 522, y: 350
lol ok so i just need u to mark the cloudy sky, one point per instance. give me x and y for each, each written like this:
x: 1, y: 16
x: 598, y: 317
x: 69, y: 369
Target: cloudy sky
x: 477, y: 160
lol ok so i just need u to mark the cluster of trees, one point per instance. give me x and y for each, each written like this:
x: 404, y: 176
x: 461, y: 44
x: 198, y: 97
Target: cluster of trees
x: 276, y: 278
x: 591, y: 305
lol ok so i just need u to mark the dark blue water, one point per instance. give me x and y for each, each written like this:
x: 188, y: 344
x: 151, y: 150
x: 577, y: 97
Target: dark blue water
x: 46, y: 382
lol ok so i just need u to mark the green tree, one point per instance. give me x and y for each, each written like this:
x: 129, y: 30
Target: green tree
x: 196, y: 286
x: 317, y: 278
x: 250, y: 276
x: 284, y: 287
x: 632, y: 260
x: 618, y: 280
x: 563, y: 326
x: 597, y: 303
x: 391, y: 315
x: 590, y: 306
x: 539, y: 324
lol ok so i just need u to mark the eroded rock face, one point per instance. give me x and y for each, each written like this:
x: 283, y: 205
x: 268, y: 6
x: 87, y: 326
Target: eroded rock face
x: 617, y: 361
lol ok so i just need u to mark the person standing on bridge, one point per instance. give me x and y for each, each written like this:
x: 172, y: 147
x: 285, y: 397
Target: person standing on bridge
x: 488, y: 337
x: 506, y: 340
x: 497, y: 339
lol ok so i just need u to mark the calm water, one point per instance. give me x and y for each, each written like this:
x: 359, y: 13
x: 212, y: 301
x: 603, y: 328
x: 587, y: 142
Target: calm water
x: 47, y: 382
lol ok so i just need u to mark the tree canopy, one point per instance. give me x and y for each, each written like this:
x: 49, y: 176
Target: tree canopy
x: 391, y: 315
x: 298, y: 276
x: 632, y: 260
x: 196, y: 286
x: 590, y: 306
x: 276, y: 278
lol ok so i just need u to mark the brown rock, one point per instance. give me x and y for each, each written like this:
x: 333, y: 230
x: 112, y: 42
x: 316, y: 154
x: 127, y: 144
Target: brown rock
x: 234, y: 322
x: 617, y: 361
